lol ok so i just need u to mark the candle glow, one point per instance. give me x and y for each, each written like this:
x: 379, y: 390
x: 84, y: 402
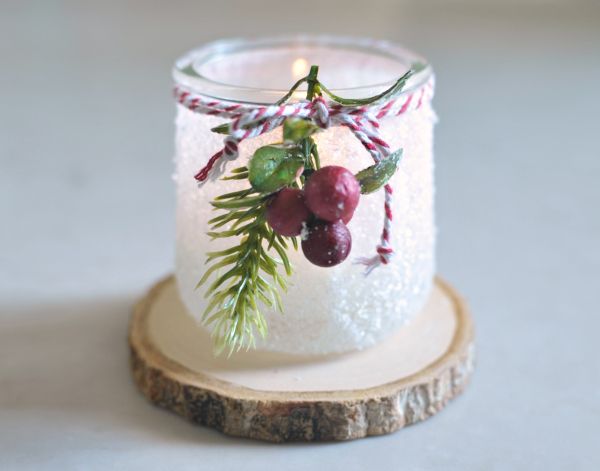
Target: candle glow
x: 299, y: 68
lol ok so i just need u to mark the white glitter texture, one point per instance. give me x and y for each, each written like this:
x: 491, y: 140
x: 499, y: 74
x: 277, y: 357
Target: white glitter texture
x: 327, y: 310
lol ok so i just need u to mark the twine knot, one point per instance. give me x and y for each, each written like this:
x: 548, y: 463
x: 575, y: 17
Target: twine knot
x: 320, y: 112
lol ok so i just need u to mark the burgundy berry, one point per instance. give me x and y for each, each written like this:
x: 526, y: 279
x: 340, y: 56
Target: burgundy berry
x: 287, y: 212
x: 332, y: 193
x: 327, y: 243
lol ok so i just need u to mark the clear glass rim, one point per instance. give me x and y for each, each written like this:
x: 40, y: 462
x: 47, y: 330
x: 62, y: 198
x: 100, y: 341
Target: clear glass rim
x: 185, y: 74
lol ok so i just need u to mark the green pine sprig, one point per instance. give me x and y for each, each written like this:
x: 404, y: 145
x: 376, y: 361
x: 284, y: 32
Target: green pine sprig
x: 247, y: 276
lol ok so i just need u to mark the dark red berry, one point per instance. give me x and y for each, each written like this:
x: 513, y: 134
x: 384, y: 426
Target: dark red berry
x: 286, y: 212
x: 332, y: 193
x: 327, y: 243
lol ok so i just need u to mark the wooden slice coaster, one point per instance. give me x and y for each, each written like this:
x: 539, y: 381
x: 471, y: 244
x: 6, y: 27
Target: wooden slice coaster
x: 278, y: 397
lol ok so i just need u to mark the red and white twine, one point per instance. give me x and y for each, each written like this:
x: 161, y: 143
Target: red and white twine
x: 248, y: 121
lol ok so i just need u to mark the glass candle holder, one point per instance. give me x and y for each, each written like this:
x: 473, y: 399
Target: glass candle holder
x: 327, y: 310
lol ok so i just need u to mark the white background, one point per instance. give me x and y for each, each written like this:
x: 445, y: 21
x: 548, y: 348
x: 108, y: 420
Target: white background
x: 87, y: 211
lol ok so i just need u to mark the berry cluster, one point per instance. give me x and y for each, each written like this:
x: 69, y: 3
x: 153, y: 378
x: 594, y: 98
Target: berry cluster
x: 319, y: 214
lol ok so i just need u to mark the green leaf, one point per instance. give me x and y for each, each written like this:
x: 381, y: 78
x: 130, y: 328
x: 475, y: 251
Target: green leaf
x: 221, y: 129
x: 374, y: 177
x: 296, y: 129
x: 395, y: 88
x: 275, y: 166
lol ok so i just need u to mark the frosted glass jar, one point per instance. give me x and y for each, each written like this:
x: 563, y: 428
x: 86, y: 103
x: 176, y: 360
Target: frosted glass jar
x: 334, y: 309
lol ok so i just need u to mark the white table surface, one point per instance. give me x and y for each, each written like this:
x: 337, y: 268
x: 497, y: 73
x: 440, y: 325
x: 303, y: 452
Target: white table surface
x: 86, y: 204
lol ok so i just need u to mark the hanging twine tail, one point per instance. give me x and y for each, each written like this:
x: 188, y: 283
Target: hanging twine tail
x: 384, y: 249
x: 247, y: 121
x: 365, y: 128
x: 230, y: 151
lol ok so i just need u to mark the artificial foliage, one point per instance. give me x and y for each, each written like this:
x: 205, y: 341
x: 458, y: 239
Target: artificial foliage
x: 248, y: 278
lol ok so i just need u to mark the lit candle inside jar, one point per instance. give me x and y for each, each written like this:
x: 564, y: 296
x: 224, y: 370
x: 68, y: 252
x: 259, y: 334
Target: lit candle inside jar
x: 299, y: 68
x: 332, y: 309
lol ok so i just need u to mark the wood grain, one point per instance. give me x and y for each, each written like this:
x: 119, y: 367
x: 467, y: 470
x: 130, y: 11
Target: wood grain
x: 280, y: 416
